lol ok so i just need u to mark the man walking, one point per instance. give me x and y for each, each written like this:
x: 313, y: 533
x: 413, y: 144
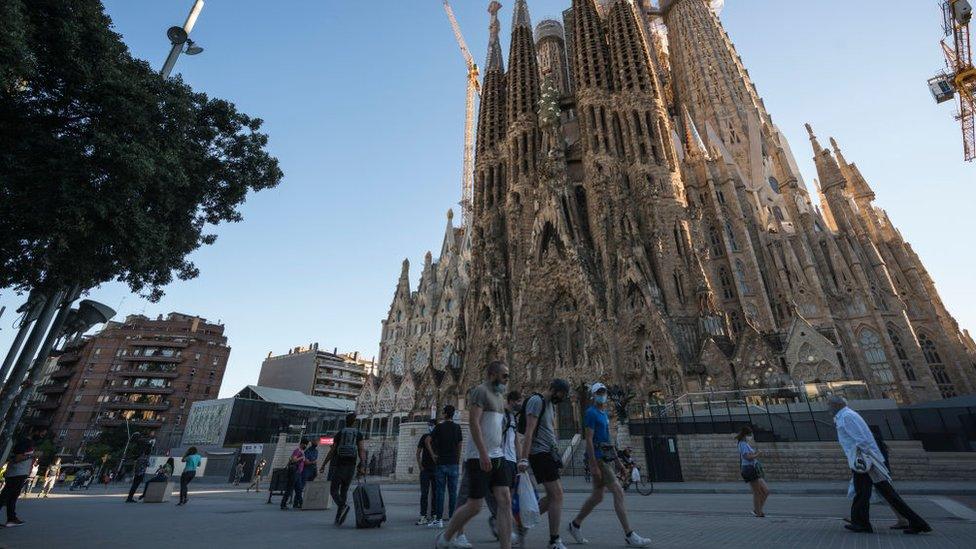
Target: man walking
x: 347, y: 447
x: 540, y: 451
x: 50, y: 477
x: 867, y: 463
x: 445, y: 444
x: 295, y: 468
x: 138, y: 475
x: 18, y: 469
x: 427, y: 468
x: 238, y: 473
x: 256, y: 477
x: 484, y: 460
x: 602, y: 456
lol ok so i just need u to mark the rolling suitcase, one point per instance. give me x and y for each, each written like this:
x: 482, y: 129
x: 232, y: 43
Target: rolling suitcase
x: 368, y: 501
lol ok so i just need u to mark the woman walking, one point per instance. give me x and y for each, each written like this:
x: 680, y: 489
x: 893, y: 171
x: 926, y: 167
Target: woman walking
x: 752, y: 471
x: 192, y: 460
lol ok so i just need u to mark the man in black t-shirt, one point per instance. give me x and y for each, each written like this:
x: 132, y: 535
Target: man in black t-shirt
x: 18, y: 469
x: 445, y: 445
x: 427, y: 468
x: 347, y: 447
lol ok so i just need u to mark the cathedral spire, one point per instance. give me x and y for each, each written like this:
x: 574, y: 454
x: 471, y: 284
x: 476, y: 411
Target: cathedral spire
x: 858, y: 185
x: 694, y: 146
x: 817, y: 149
x: 520, y: 17
x: 592, y: 66
x: 494, y: 60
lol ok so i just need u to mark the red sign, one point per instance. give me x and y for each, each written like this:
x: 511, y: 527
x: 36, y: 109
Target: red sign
x: 326, y: 441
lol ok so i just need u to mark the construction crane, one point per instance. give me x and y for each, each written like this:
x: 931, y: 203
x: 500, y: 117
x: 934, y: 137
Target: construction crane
x: 961, y: 77
x: 474, y: 89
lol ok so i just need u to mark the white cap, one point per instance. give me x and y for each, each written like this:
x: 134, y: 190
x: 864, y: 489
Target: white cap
x: 596, y: 387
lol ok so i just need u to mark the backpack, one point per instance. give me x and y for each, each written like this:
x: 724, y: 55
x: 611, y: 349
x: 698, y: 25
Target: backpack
x: 522, y: 414
x: 347, y: 447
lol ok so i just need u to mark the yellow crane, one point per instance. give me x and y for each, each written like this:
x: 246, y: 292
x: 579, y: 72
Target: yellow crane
x: 961, y: 77
x: 474, y: 89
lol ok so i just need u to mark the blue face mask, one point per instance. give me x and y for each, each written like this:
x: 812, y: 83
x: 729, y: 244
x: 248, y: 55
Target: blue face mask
x: 600, y: 399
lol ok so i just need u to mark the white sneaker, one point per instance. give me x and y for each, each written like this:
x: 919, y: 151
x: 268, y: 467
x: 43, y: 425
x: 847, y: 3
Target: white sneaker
x: 437, y: 523
x: 577, y: 534
x: 422, y: 521
x: 516, y: 540
x: 461, y: 542
x: 558, y: 544
x: 635, y: 540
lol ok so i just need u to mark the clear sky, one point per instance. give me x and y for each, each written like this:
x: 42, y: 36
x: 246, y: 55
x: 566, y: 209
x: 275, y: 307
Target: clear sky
x: 364, y: 103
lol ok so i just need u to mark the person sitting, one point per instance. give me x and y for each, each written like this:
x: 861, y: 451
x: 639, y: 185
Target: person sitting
x: 163, y: 473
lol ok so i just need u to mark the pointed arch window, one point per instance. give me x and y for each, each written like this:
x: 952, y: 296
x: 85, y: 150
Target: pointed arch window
x: 715, y: 242
x: 906, y: 364
x: 730, y: 232
x: 735, y: 323
x: 726, y: 281
x: 946, y: 387
x: 876, y: 358
x: 740, y: 277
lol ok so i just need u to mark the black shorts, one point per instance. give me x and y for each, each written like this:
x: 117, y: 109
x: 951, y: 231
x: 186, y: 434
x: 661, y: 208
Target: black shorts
x: 544, y: 467
x: 480, y: 482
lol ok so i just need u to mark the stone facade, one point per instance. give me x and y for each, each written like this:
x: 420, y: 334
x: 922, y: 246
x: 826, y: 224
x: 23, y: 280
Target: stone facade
x: 642, y: 221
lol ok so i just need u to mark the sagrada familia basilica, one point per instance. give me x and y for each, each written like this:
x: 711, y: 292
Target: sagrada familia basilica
x: 639, y: 218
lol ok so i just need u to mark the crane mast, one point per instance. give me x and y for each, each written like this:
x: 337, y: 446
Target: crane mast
x: 961, y: 78
x: 473, y: 90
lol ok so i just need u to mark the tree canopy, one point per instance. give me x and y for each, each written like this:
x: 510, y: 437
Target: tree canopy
x: 107, y: 170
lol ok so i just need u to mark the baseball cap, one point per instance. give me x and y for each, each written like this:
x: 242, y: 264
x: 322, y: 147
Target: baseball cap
x: 596, y: 387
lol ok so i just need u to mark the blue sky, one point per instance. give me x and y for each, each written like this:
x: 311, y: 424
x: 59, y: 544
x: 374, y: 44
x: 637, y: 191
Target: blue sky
x: 364, y: 103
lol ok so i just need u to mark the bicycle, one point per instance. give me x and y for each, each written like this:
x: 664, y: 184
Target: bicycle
x: 644, y: 486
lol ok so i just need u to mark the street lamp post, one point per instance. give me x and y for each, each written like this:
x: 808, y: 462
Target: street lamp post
x: 180, y: 36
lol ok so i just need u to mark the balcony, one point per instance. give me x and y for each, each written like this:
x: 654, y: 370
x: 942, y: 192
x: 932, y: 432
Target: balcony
x: 62, y: 373
x: 154, y: 358
x: 144, y: 390
x: 128, y: 405
x: 151, y: 423
x: 38, y: 421
x: 140, y: 373
x: 155, y: 343
x: 328, y: 389
x: 47, y: 405
x: 52, y: 388
x: 69, y: 357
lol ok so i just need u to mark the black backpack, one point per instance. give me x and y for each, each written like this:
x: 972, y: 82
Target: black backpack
x: 522, y: 415
x: 346, y: 446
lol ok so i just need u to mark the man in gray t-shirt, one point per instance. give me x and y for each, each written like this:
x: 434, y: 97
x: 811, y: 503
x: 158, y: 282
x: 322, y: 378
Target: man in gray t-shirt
x: 540, y: 451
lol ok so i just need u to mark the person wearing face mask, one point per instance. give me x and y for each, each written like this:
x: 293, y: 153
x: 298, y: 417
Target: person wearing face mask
x: 540, y: 451
x: 484, y: 459
x: 427, y: 467
x: 602, y: 456
x: 752, y: 471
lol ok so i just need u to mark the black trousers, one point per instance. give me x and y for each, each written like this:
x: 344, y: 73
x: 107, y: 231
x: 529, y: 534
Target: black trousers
x: 426, y: 491
x: 185, y: 479
x: 12, y: 488
x: 342, y: 477
x: 861, y: 508
x: 136, y: 481
x: 289, y: 486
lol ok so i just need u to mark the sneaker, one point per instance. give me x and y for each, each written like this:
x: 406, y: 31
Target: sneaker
x: 518, y: 536
x: 436, y: 523
x: 558, y: 544
x: 422, y: 521
x: 577, y: 534
x: 14, y: 522
x: 461, y: 542
x: 341, y: 516
x: 635, y: 540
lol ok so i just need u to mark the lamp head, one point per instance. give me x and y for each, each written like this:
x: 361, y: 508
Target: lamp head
x: 177, y: 35
x: 192, y: 48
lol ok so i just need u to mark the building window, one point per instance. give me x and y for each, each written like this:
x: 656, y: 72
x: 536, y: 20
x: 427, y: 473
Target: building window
x: 946, y: 387
x: 877, y: 359
x: 906, y: 364
x: 726, y: 282
x: 731, y: 235
x: 740, y: 275
x: 716, y: 242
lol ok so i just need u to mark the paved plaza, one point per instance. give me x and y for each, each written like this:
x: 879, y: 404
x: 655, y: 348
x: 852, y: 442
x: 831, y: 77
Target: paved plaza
x: 222, y: 516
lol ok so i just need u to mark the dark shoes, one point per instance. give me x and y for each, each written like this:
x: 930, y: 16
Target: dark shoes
x: 915, y: 530
x: 341, y: 515
x: 130, y: 500
x: 859, y: 529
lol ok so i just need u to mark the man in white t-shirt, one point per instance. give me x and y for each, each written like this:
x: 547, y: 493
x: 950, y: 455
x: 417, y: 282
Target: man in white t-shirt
x: 484, y: 459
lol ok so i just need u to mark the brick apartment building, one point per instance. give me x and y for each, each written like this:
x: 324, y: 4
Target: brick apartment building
x: 146, y: 371
x: 316, y: 372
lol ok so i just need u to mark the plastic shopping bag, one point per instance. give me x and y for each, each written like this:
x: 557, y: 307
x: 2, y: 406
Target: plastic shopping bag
x: 528, y: 504
x: 635, y: 475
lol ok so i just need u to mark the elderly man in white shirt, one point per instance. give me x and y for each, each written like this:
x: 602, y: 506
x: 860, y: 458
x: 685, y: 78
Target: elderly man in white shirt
x: 867, y: 464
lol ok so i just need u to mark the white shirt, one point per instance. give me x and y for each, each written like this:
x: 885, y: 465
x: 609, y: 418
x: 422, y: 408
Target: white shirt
x: 853, y: 433
x: 508, y: 440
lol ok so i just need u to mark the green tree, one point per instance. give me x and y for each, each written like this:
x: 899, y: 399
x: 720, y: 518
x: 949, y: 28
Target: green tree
x: 108, y: 171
